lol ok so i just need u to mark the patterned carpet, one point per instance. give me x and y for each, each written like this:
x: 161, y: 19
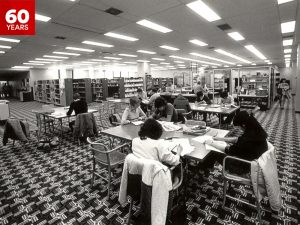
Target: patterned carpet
x: 54, y: 188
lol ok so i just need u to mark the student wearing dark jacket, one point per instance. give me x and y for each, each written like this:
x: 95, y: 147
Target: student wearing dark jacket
x: 79, y: 106
x: 203, y: 99
x: 182, y: 103
x: 249, y: 146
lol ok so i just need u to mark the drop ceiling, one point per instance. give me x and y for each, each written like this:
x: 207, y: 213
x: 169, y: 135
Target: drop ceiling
x: 257, y: 20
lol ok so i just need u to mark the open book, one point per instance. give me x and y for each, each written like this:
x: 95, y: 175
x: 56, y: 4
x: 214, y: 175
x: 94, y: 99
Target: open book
x: 169, y: 126
x: 137, y: 123
x: 202, y: 140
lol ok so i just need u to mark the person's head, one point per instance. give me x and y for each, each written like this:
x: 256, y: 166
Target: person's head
x: 199, y: 82
x: 76, y: 96
x: 283, y: 80
x: 200, y: 95
x: 248, y: 123
x: 139, y: 91
x: 224, y: 94
x: 134, y: 102
x: 160, y: 104
x: 151, y: 129
x: 154, y: 90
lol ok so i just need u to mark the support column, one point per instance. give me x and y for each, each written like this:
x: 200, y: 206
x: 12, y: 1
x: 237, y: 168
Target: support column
x: 143, y: 68
x: 297, y: 97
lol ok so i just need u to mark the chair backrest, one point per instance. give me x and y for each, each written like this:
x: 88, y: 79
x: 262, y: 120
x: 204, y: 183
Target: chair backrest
x: 100, y: 152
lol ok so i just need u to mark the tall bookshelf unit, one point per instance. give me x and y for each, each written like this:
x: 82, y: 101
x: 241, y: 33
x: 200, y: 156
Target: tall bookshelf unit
x: 83, y: 87
x: 131, y: 85
x: 99, y: 89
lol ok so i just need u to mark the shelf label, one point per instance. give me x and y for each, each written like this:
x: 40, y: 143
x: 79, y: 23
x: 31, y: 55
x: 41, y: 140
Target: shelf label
x: 17, y: 17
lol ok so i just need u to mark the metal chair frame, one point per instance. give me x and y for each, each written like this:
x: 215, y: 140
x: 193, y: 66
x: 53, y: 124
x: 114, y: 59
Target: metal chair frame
x: 107, y: 163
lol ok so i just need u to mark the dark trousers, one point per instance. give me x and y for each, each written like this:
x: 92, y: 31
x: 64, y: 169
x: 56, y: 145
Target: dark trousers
x: 71, y: 124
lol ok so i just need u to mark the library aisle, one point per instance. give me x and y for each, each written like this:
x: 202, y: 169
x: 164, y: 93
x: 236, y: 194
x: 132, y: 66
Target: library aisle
x: 54, y: 188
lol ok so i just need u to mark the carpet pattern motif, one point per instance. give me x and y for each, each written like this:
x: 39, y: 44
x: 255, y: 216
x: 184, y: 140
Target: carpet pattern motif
x: 54, y: 188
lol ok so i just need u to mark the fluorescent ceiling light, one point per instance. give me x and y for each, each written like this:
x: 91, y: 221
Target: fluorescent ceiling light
x: 120, y: 36
x: 152, y: 64
x: 226, y: 66
x: 128, y: 55
x: 212, y: 58
x: 254, y: 50
x: 80, y: 49
x: 5, y: 46
x: 193, y: 60
x: 55, y: 57
x: 120, y: 64
x: 146, y: 52
x: 48, y: 60
x: 158, y: 59
x: 288, y: 27
x: 178, y: 62
x: 164, y: 63
x: 269, y: 63
x: 284, y: 1
x: 21, y: 67
x: 66, y: 53
x: 43, y: 62
x: 145, y: 61
x: 231, y: 55
x: 197, y: 42
x: 85, y: 62
x: 238, y: 65
x: 153, y: 26
x: 267, y: 60
x: 97, y: 44
x: 34, y: 64
x: 203, y: 10
x: 183, y: 67
x: 130, y: 62
x: 100, y: 60
x: 287, y: 42
x: 236, y: 36
x: 115, y: 58
x: 287, y: 56
x: 253, y: 64
x: 169, y: 47
x: 9, y: 40
x: 170, y: 66
x: 42, y: 18
x: 288, y: 50
x: 2, y: 52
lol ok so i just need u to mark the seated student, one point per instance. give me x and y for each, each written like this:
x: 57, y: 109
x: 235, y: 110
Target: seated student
x: 182, y: 103
x: 203, y: 99
x: 142, y: 96
x: 249, y: 146
x: 133, y: 112
x: 79, y: 106
x: 149, y: 145
x: 164, y: 111
x: 226, y: 100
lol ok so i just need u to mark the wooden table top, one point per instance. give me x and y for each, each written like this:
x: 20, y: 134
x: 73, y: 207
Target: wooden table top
x: 213, y: 108
x: 129, y: 131
x: 119, y: 100
x: 61, y: 112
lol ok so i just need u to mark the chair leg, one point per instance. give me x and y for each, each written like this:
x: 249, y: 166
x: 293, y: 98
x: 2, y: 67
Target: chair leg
x: 224, y: 191
x: 13, y: 142
x: 130, y: 211
x: 258, y: 206
x: 93, y: 175
x: 109, y: 181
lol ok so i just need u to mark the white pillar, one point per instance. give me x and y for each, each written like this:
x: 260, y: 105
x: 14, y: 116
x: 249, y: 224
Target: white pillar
x: 297, y: 97
x: 143, y: 68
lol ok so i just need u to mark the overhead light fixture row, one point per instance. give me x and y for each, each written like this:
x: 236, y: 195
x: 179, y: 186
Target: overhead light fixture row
x: 283, y: 1
x: 5, y: 46
x: 144, y: 61
x: 287, y: 42
x: 43, y: 62
x: 212, y: 58
x: 236, y: 36
x: 231, y: 55
x: 158, y: 59
x: 255, y: 51
x: 203, y: 10
x: 48, y: 60
x: 100, y: 60
x: 146, y: 52
x: 55, y: 57
x: 114, y: 58
x: 169, y: 47
x: 128, y: 55
x: 9, y: 40
x: 154, y: 26
x: 66, y: 53
x: 42, y: 18
x: 2, y: 52
x: 198, y: 42
x: 193, y: 60
x: 288, y: 27
x: 97, y: 44
x: 121, y: 36
x: 80, y: 49
x: 288, y: 50
x: 34, y: 64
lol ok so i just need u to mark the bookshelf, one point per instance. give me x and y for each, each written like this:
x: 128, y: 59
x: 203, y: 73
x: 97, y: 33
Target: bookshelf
x: 131, y: 85
x: 115, y: 88
x: 148, y: 83
x: 83, y: 87
x: 99, y: 89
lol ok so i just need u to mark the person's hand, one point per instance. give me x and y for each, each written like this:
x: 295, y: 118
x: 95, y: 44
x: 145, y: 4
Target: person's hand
x: 208, y: 142
x: 179, y: 150
x: 218, y: 138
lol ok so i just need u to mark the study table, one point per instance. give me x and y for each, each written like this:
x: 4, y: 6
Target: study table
x: 214, y: 108
x: 130, y: 131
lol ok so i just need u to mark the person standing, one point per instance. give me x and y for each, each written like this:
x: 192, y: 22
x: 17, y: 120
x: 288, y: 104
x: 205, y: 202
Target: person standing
x: 79, y: 106
x: 282, y: 91
x: 198, y: 88
x: 203, y: 99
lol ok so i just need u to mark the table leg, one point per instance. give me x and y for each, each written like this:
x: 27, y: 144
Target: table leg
x: 220, y: 120
x: 61, y: 131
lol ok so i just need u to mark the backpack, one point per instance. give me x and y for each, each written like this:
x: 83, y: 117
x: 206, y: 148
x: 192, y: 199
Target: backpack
x: 114, y: 118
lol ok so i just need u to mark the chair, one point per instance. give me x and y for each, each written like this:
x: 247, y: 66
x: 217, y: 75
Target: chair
x: 137, y: 190
x: 85, y: 126
x: 244, y: 179
x: 109, y: 158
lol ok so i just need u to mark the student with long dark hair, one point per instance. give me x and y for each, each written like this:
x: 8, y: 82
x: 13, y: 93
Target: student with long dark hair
x: 164, y: 111
x: 249, y: 146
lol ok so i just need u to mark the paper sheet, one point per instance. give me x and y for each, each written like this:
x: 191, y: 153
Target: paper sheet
x: 203, y: 138
x: 137, y: 123
x: 169, y: 126
x: 185, y: 144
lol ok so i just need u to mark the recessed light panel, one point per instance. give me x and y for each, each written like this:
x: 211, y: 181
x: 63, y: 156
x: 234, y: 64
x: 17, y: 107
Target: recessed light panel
x: 80, y: 49
x: 231, y: 55
x: 283, y: 1
x: 203, y: 10
x: 146, y: 52
x: 236, y: 36
x: 55, y: 57
x: 288, y: 50
x: 97, y: 44
x: 9, y: 40
x: 114, y: 58
x: 5, y: 46
x: 198, y: 42
x: 66, y: 53
x: 128, y: 55
x: 154, y: 26
x: 288, y: 27
x: 42, y: 18
x: 287, y: 42
x: 158, y: 59
x: 121, y: 36
x: 212, y: 58
x: 255, y: 51
x: 169, y: 47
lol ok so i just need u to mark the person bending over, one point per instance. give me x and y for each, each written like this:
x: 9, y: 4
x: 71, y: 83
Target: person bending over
x: 164, y: 111
x: 149, y: 145
x: 133, y: 112
x: 249, y: 146
x: 203, y: 99
x: 79, y: 106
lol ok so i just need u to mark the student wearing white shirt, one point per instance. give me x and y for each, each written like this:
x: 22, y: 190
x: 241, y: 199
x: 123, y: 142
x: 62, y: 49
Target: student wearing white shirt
x: 133, y: 112
x: 149, y: 145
